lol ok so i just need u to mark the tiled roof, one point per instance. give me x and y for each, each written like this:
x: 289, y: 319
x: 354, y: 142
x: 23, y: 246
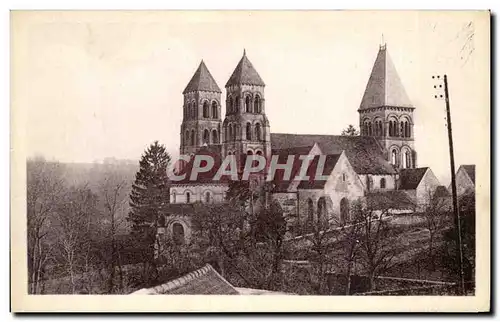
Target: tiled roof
x: 471, y: 171
x: 204, y: 281
x: 410, y: 178
x: 392, y: 199
x: 330, y: 162
x: 202, y: 80
x: 282, y: 184
x: 384, y: 87
x: 363, y: 152
x: 245, y: 73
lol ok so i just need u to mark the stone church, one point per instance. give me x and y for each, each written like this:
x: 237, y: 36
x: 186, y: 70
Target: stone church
x: 381, y: 162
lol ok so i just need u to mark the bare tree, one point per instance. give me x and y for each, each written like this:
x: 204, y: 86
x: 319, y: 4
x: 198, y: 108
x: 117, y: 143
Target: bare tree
x: 322, y: 245
x: 44, y: 186
x: 219, y: 231
x: 377, y: 251
x: 270, y: 229
x: 113, y: 198
x: 350, y: 235
x: 72, y: 225
x: 435, y: 214
x: 246, y: 248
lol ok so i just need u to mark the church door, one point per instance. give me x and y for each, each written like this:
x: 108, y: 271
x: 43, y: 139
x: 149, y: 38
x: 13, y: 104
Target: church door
x: 178, y: 234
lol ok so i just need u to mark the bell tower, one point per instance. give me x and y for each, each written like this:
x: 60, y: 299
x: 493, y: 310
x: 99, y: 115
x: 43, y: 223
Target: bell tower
x: 386, y: 113
x: 201, y: 124
x: 246, y: 127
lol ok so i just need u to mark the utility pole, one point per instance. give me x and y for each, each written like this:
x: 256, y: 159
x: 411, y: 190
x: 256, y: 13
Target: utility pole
x: 453, y: 180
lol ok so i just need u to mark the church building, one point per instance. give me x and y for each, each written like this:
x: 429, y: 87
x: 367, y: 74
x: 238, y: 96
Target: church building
x: 355, y: 167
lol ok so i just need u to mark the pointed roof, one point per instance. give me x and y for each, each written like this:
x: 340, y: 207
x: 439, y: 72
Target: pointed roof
x: 384, y: 87
x: 470, y: 169
x: 411, y: 178
x: 363, y: 152
x: 202, y: 80
x: 245, y: 73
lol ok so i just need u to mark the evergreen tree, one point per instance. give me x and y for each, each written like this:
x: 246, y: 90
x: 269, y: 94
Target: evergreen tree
x: 149, y: 195
x: 350, y: 131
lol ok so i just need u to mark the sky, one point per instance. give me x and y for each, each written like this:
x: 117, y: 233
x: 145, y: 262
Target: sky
x: 93, y: 85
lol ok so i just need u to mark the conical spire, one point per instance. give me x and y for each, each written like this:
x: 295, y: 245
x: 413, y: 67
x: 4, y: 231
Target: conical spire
x: 245, y: 73
x: 384, y: 87
x: 202, y: 80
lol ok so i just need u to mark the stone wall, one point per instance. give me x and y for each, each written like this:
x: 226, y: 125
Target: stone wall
x: 178, y: 193
x: 336, y: 188
x: 426, y: 189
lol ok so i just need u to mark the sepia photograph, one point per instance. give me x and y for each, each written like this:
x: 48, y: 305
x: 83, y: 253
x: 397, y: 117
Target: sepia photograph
x: 327, y: 160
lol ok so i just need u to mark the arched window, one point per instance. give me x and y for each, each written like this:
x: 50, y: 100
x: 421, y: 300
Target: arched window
x: 370, y: 133
x: 321, y: 209
x: 258, y: 132
x: 237, y: 131
x: 378, y: 128
x: 192, y: 137
x: 310, y: 213
x: 188, y: 197
x: 206, y: 110
x: 231, y: 106
x: 343, y: 177
x: 186, y: 137
x: 249, y: 152
x: 249, y: 131
x: 195, y: 111
x: 215, y: 113
x: 259, y: 152
x: 394, y: 157
x: 402, y: 129
x: 206, y: 136
x: 178, y: 234
x: 237, y: 104
x: 174, y: 197
x: 248, y: 107
x: 391, y: 128
x: 344, y: 210
x: 406, y: 159
x: 208, y: 197
x: 382, y: 183
x: 407, y: 129
x: 230, y: 132
x: 215, y: 137
x: 257, y: 108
